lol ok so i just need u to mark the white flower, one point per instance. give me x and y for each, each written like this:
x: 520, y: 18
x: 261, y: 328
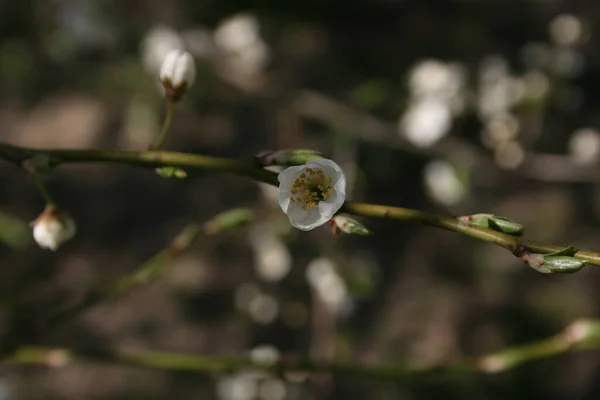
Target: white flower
x: 177, y: 73
x: 52, y: 228
x: 311, y: 194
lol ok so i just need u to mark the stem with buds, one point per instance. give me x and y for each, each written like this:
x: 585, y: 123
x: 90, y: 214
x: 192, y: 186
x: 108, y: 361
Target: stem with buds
x: 153, y: 159
x: 581, y: 335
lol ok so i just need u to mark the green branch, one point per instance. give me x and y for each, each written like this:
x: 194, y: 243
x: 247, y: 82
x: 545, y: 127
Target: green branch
x: 581, y: 335
x: 153, y: 159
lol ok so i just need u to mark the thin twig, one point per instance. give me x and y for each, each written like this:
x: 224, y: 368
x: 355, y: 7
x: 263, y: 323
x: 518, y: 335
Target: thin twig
x: 154, y: 268
x: 581, y: 335
x: 372, y: 129
x: 153, y: 159
x: 42, y: 189
x: 160, y: 140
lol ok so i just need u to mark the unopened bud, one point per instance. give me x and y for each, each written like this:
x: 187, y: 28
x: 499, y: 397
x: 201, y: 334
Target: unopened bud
x: 349, y: 225
x: 494, y: 222
x: 177, y: 74
x: 563, y: 264
x: 52, y: 228
x: 171, y: 172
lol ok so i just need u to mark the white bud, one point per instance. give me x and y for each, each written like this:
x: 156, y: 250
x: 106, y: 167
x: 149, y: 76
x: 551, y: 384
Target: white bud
x: 52, y: 228
x: 177, y: 73
x: 349, y: 225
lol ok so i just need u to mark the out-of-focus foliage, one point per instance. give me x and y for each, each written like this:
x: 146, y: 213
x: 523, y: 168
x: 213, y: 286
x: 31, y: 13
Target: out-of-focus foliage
x: 14, y: 232
x: 455, y: 107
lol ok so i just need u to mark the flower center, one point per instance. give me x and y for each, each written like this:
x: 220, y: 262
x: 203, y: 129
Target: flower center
x: 310, y: 188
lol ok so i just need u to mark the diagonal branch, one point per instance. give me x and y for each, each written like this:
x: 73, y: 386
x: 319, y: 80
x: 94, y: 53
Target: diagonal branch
x: 154, y: 268
x: 152, y: 159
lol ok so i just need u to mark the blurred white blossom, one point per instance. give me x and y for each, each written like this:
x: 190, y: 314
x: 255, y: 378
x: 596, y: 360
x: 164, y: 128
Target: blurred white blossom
x: 498, y: 90
x: 436, y: 78
x: 509, y: 154
x: 499, y: 129
x: 157, y: 43
x: 537, y: 85
x: 238, y: 38
x: 328, y: 285
x: 265, y: 355
x: 426, y: 121
x: 263, y: 308
x: 584, y: 146
x: 239, y: 386
x: 566, y: 30
x: 443, y: 183
x: 237, y: 32
x: 272, y: 257
x: 435, y: 96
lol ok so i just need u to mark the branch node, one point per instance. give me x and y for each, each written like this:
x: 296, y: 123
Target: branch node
x: 522, y: 252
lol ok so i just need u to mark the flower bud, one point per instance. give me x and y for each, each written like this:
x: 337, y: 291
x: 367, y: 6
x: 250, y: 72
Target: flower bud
x: 349, y: 225
x: 177, y: 74
x: 563, y: 264
x: 171, y: 172
x: 52, y: 228
x: 494, y: 222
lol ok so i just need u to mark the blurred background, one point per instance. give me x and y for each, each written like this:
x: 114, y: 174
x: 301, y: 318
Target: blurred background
x: 455, y: 107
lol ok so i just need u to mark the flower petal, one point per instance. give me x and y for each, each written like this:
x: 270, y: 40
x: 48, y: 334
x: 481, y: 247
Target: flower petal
x: 284, y: 200
x: 296, y: 212
x: 324, y: 163
x: 332, y: 170
x: 287, y: 177
x: 311, y: 221
x: 329, y: 207
x: 340, y: 185
x: 305, y: 219
x: 329, y: 167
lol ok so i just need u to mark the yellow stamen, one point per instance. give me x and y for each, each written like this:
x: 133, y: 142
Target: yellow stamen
x: 311, y: 187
